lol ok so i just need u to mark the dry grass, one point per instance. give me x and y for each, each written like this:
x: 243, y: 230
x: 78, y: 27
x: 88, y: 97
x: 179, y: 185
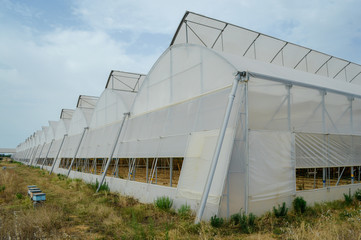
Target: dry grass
x: 74, y: 211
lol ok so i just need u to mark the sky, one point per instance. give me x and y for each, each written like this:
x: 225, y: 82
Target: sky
x: 53, y: 51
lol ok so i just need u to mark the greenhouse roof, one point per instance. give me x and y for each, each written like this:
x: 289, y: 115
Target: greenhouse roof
x: 125, y: 81
x: 66, y: 113
x: 229, y: 38
x: 87, y: 101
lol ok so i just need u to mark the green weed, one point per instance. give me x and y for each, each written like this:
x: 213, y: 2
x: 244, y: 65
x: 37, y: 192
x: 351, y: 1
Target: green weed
x: 280, y: 211
x: 163, y: 203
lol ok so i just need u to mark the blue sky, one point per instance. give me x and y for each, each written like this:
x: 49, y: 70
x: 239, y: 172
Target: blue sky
x: 53, y: 51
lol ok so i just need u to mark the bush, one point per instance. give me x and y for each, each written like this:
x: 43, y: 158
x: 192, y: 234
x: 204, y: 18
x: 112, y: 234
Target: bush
x: 348, y: 199
x: 184, y: 211
x: 246, y: 223
x: 163, y: 203
x: 216, y: 221
x: 19, y: 196
x: 358, y: 194
x: 281, y: 211
x: 103, y: 187
x: 299, y: 205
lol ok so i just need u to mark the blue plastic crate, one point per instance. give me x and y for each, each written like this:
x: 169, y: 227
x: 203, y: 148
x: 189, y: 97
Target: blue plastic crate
x: 31, y: 186
x: 39, y: 197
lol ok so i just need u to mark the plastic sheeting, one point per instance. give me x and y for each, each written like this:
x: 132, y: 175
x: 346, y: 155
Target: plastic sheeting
x: 327, y: 150
x: 271, y: 165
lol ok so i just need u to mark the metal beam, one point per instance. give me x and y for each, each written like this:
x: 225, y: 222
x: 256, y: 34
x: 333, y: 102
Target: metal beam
x: 240, y: 76
x: 113, y: 150
x: 77, y: 149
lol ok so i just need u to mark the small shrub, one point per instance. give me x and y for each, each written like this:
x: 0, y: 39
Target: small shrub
x: 281, y: 211
x: 358, y: 194
x: 164, y: 203
x: 216, y: 221
x: 246, y: 223
x: 19, y: 196
x: 184, y: 211
x: 348, y: 199
x: 103, y: 187
x: 299, y: 205
x: 61, y: 176
x: 2, y: 188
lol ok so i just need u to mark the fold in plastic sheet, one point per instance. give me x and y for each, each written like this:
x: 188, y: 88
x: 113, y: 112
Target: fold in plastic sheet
x: 271, y: 165
x: 197, y: 163
x: 327, y: 150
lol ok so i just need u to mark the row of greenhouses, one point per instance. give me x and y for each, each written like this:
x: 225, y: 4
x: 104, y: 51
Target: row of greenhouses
x: 226, y: 120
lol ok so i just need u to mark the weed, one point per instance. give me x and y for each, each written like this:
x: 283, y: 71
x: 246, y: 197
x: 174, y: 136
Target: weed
x: 246, y: 223
x: 299, y: 205
x: 104, y: 187
x: 348, y: 199
x: 216, y: 221
x: 281, y: 211
x: 184, y: 211
x: 61, y: 176
x: 357, y: 194
x: 19, y: 196
x: 163, y: 203
x: 2, y: 188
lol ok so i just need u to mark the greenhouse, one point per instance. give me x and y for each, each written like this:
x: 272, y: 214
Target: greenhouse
x: 226, y: 119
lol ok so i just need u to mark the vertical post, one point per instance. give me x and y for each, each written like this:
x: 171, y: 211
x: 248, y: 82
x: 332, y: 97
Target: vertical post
x: 57, y: 155
x: 246, y: 147
x: 147, y: 170
x: 112, y: 152
x: 352, y: 143
x: 218, y: 148
x: 46, y: 157
x: 170, y: 171
x: 324, y: 136
x: 77, y: 149
x: 289, y: 86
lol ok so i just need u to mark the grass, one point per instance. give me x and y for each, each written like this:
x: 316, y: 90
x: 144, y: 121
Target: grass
x: 74, y: 211
x: 163, y: 203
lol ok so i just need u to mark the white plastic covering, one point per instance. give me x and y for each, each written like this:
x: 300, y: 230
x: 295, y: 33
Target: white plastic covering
x: 181, y: 73
x: 80, y: 120
x: 271, y: 165
x: 327, y: 150
x: 222, y: 36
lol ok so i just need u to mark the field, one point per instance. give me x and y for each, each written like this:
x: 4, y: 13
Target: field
x: 74, y: 211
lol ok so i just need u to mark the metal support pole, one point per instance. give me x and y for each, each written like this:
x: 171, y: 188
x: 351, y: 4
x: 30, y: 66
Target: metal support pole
x: 46, y: 157
x: 147, y: 170
x: 324, y: 136
x: 77, y: 149
x: 289, y: 106
x: 29, y: 156
x: 57, y: 155
x: 112, y: 152
x: 170, y: 171
x: 339, y: 178
x: 217, y: 151
x: 41, y: 151
x: 33, y: 156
